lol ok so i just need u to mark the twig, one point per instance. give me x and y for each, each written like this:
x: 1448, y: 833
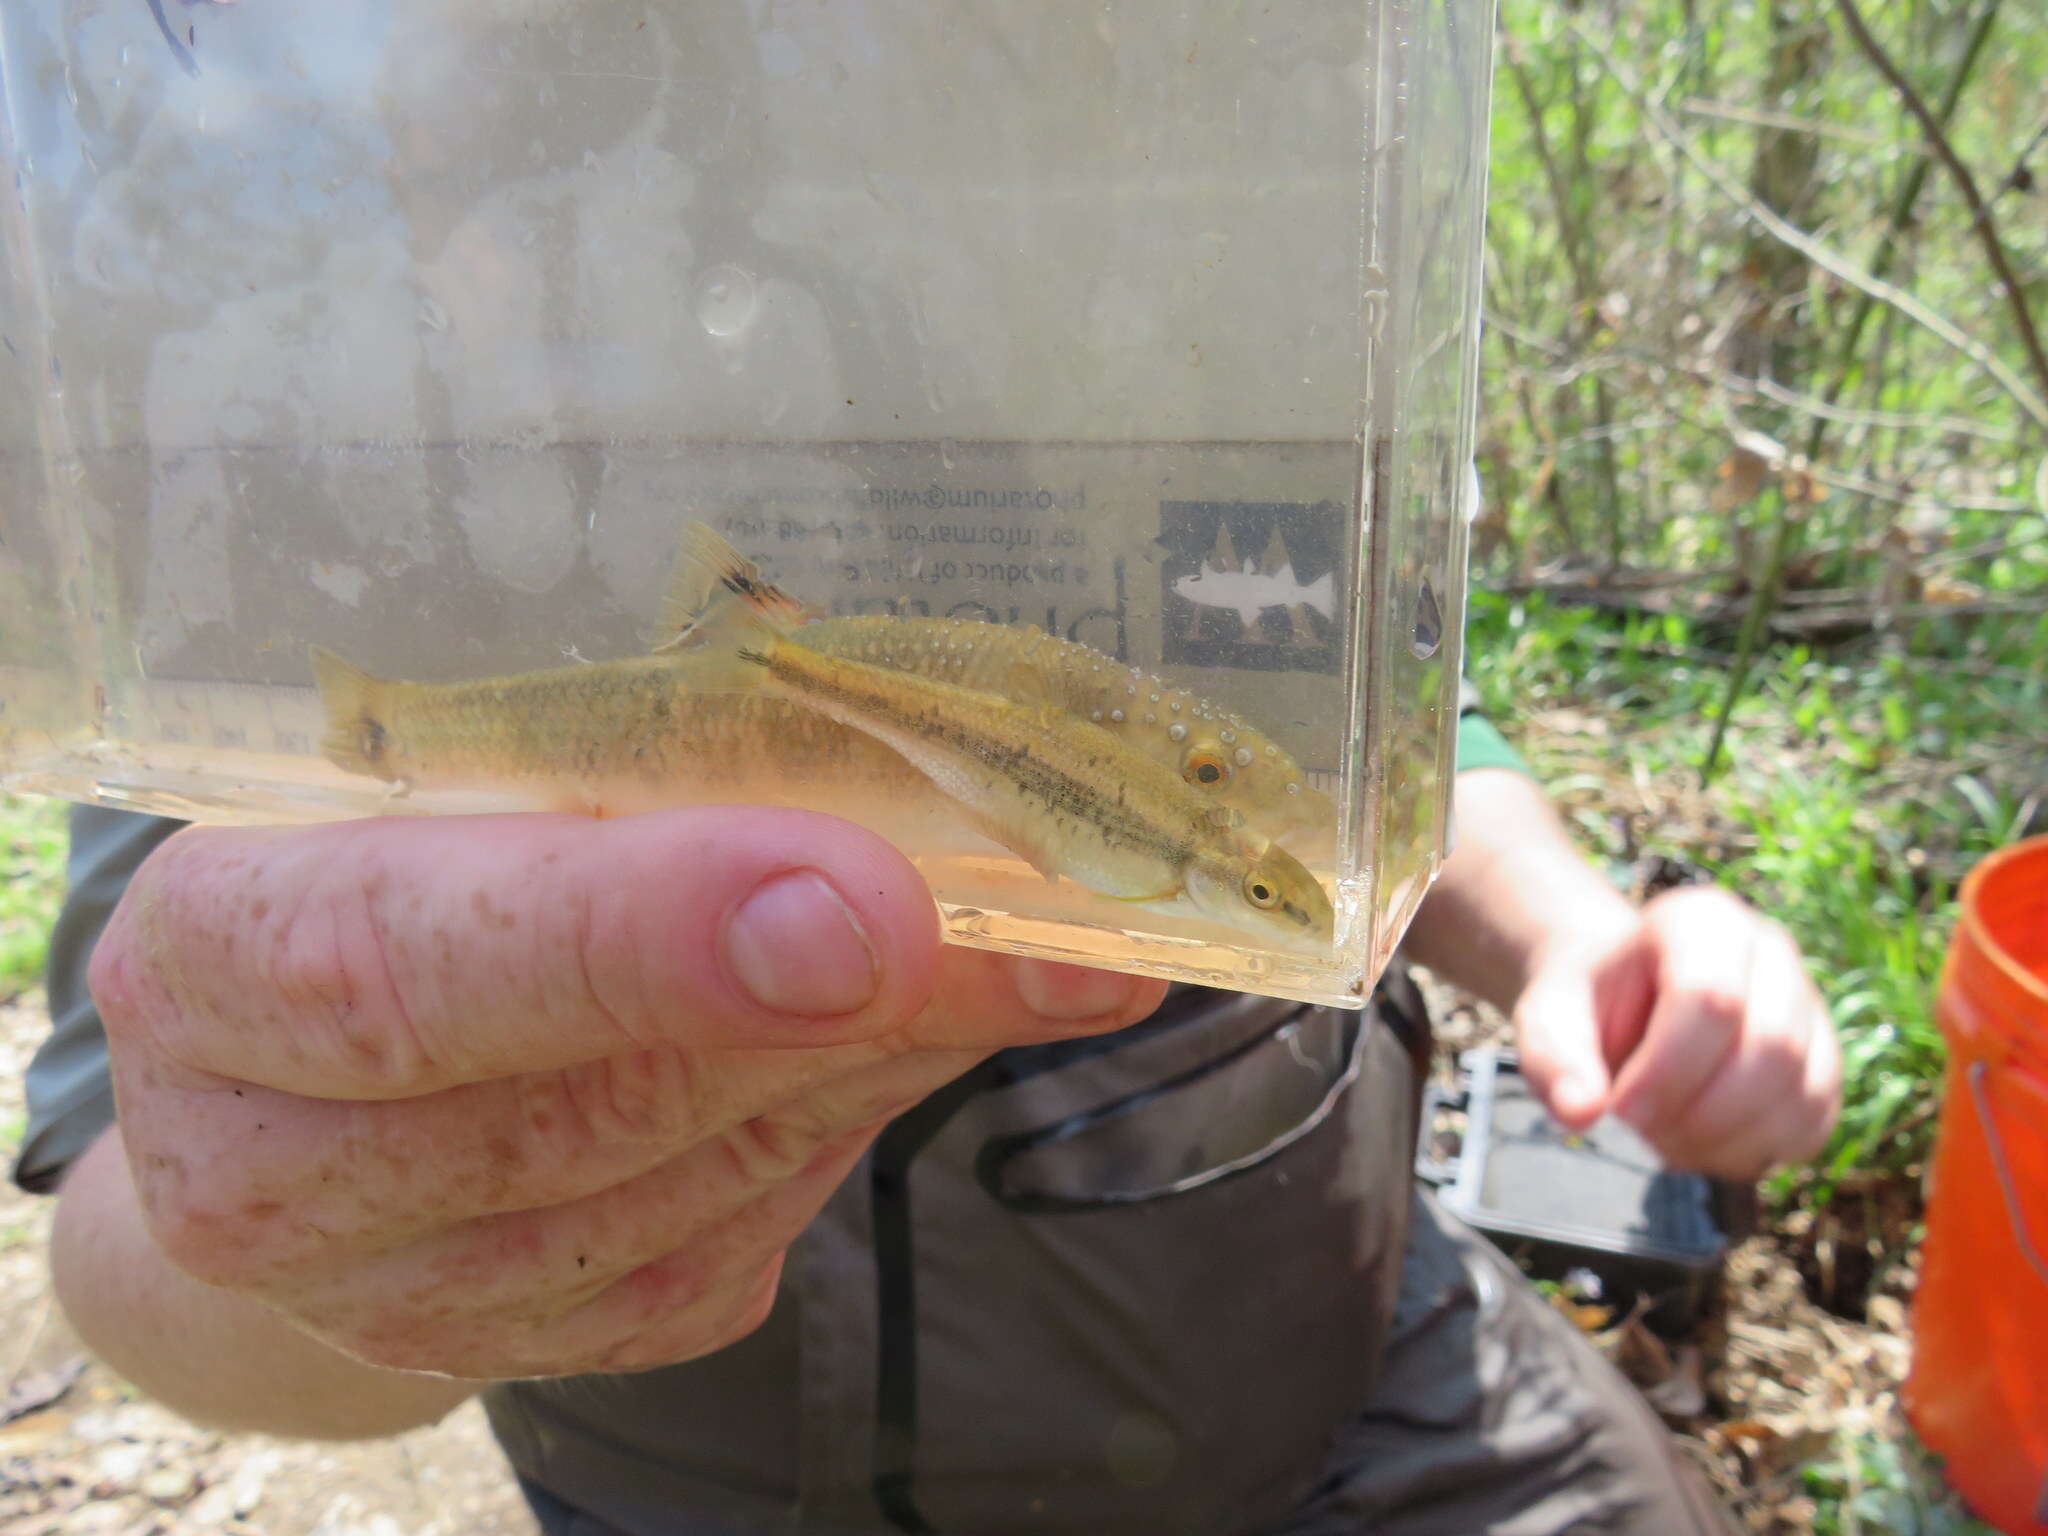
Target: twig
x: 1901, y: 211
x: 1862, y: 485
x: 1739, y: 385
x: 1761, y: 602
x: 1987, y: 231
x: 1615, y: 429
x: 1820, y: 255
x: 1988, y: 547
x: 1811, y: 405
x: 1585, y: 273
x: 1763, y: 118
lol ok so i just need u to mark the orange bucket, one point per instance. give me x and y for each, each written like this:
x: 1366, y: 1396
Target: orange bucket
x: 1978, y: 1390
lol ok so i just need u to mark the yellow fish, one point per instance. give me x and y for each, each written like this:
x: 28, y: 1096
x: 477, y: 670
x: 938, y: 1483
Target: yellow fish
x: 1208, y: 746
x: 616, y: 734
x: 1062, y: 793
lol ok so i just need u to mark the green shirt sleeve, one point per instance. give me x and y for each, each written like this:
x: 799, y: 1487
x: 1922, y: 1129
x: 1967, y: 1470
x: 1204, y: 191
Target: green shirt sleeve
x: 1480, y: 743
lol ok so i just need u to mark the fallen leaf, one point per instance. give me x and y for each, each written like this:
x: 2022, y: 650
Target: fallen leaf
x: 1739, y: 477
x: 1802, y: 487
x: 40, y: 1390
x: 1682, y: 1394
x: 1944, y: 588
x: 1643, y: 1358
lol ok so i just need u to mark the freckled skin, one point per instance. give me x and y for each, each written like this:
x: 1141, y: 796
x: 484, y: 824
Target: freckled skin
x: 484, y: 1124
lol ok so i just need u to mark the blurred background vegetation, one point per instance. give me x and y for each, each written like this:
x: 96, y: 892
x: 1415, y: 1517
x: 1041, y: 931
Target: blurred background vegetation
x: 1765, y: 440
x: 1766, y: 435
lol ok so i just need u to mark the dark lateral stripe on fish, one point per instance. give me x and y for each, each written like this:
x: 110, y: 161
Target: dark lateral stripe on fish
x: 1029, y: 772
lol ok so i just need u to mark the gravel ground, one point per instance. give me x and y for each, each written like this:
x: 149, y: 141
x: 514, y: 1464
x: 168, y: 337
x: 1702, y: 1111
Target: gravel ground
x: 98, y: 1462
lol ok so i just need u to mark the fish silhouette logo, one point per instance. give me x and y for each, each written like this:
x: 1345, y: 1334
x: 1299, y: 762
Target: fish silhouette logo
x: 1251, y: 593
x: 1251, y: 584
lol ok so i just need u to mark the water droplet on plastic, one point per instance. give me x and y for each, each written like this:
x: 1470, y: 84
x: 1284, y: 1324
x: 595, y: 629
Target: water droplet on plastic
x: 726, y: 300
x: 1174, y: 706
x: 1117, y: 715
x: 1178, y: 731
x: 1242, y: 757
x: 1429, y: 623
x: 1228, y: 736
x: 123, y: 55
x: 934, y: 395
x: 433, y: 315
x: 948, y: 450
x: 1150, y: 718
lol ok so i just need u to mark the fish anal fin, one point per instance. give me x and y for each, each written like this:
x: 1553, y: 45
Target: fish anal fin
x: 1032, y: 849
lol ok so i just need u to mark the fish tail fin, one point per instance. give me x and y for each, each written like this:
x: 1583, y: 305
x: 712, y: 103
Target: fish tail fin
x: 358, y: 735
x: 709, y: 579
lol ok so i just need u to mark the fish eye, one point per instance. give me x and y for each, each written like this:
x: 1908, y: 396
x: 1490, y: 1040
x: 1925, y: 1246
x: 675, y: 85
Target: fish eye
x: 1261, y: 892
x: 1205, y: 769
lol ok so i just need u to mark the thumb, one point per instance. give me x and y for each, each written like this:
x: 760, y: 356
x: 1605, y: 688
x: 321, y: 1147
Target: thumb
x: 1558, y: 1036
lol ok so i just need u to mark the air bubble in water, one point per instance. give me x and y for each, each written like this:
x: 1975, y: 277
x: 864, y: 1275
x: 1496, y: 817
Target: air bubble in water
x: 726, y: 300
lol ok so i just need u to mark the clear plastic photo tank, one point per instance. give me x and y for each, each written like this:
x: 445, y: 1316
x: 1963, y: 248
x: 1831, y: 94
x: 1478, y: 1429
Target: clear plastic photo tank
x: 1039, y: 432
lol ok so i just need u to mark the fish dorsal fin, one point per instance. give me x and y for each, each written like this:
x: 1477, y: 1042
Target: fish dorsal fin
x: 709, y: 574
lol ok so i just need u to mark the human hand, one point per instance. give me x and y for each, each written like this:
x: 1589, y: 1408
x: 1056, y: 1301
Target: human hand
x: 531, y: 1095
x: 1697, y: 1024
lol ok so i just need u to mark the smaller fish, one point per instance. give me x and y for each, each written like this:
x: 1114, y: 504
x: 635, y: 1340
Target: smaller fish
x: 1064, y: 795
x: 1217, y: 751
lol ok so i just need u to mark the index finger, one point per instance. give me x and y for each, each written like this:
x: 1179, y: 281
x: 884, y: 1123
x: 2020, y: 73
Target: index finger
x: 390, y: 958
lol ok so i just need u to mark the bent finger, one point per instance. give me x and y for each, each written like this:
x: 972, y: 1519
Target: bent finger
x: 392, y: 958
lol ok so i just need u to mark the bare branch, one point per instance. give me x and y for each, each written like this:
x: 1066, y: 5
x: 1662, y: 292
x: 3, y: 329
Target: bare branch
x: 1908, y: 421
x: 1986, y: 229
x: 1820, y: 255
x: 1739, y: 386
x: 1699, y: 106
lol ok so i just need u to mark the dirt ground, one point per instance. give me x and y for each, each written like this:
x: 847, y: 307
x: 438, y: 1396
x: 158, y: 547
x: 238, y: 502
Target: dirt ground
x: 95, y: 1461
x: 81, y: 1456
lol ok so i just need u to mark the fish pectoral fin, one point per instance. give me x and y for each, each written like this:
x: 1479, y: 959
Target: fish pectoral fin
x: 1038, y: 858
x: 1169, y: 894
x: 1032, y: 850
x: 1026, y: 684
